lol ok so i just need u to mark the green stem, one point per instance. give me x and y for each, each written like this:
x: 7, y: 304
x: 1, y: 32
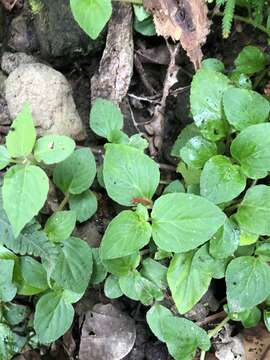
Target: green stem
x: 63, y: 203
x: 136, y: 2
x: 248, y: 21
x: 214, y: 332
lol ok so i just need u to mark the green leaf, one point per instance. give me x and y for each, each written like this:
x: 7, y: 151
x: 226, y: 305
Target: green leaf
x: 10, y: 343
x: 138, y: 288
x: 247, y: 281
x: 185, y: 135
x: 91, y: 15
x: 245, y: 107
x: 221, y: 181
x: 263, y: 250
x: 145, y: 27
x: 105, y: 117
x: 7, y: 288
x: 84, y: 205
x: 250, y: 60
x: 129, y: 174
x: 197, y: 151
x: 249, y: 318
x: 60, y: 225
x: 25, y: 191
x: 207, y: 89
x: 53, y: 317
x: 226, y: 240
x: 111, y: 288
x: 118, y: 137
x: 181, y: 222
x: 140, y: 12
x: 155, y: 272
x: 174, y: 187
x: 99, y: 272
x: 126, y: 234
x: 73, y: 267
x: 75, y: 174
x: 187, y: 282
x: 138, y: 142
x: 247, y: 238
x: 182, y: 336
x: 15, y: 313
x: 52, y: 149
x: 22, y: 135
x: 191, y: 175
x: 4, y: 157
x: 251, y: 148
x: 241, y: 80
x: 30, y: 276
x: 266, y: 318
x: 122, y: 266
x: 213, y: 64
x: 254, y: 211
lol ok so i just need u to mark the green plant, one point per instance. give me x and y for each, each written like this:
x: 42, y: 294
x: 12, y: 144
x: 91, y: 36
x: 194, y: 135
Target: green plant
x: 46, y: 262
x: 210, y: 224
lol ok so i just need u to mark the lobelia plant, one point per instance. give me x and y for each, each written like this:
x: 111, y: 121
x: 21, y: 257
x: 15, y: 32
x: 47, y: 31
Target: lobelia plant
x: 211, y: 224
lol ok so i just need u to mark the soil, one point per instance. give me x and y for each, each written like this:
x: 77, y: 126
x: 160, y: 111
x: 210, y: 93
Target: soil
x: 144, y: 93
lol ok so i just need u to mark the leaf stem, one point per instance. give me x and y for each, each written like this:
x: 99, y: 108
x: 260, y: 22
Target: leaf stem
x: 63, y: 203
x: 214, y: 332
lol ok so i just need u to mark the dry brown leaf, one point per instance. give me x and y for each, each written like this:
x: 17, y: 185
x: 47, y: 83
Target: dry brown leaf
x: 184, y: 20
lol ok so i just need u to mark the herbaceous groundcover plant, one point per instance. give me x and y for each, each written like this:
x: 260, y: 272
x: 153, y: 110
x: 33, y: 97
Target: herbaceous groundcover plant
x: 212, y: 224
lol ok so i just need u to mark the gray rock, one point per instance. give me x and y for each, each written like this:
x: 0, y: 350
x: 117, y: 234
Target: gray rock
x: 58, y: 33
x: 4, y: 113
x: 50, y: 98
x: 10, y: 61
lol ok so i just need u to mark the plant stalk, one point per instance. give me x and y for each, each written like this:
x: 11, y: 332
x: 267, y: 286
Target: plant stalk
x: 63, y: 203
x: 214, y: 332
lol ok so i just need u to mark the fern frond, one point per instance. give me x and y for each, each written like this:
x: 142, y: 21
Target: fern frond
x: 228, y: 18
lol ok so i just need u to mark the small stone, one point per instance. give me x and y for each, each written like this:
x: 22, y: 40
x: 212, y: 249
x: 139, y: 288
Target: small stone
x: 49, y: 95
x: 10, y: 61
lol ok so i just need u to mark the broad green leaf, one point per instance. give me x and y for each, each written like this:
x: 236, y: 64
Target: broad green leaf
x: 15, y: 313
x: 70, y: 296
x: 249, y: 318
x: 254, y: 211
x: 60, y: 225
x: 25, y: 191
x: 30, y: 276
x: 191, y: 175
x: 221, y: 181
x: 161, y: 254
x: 99, y: 271
x: 91, y: 15
x: 84, y: 205
x: 182, y: 336
x: 126, y: 234
x: 247, y: 238
x: 181, y: 222
x: 10, y: 343
x: 207, y: 89
x: 263, y: 250
x: 226, y: 240
x: 140, y: 12
x: 7, y: 288
x: 75, y: 174
x: 4, y: 157
x: 245, y: 107
x: 190, y: 131
x: 241, y: 80
x: 187, y: 281
x: 155, y: 272
x: 73, y: 268
x: 52, y: 149
x: 53, y: 317
x: 213, y: 64
x: 145, y: 27
x: 138, y: 142
x: 22, y: 135
x: 111, y: 288
x: 122, y: 266
x: 247, y: 281
x: 250, y: 60
x: 138, y: 288
x: 197, y: 151
x: 251, y: 148
x: 129, y: 174
x: 174, y: 187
